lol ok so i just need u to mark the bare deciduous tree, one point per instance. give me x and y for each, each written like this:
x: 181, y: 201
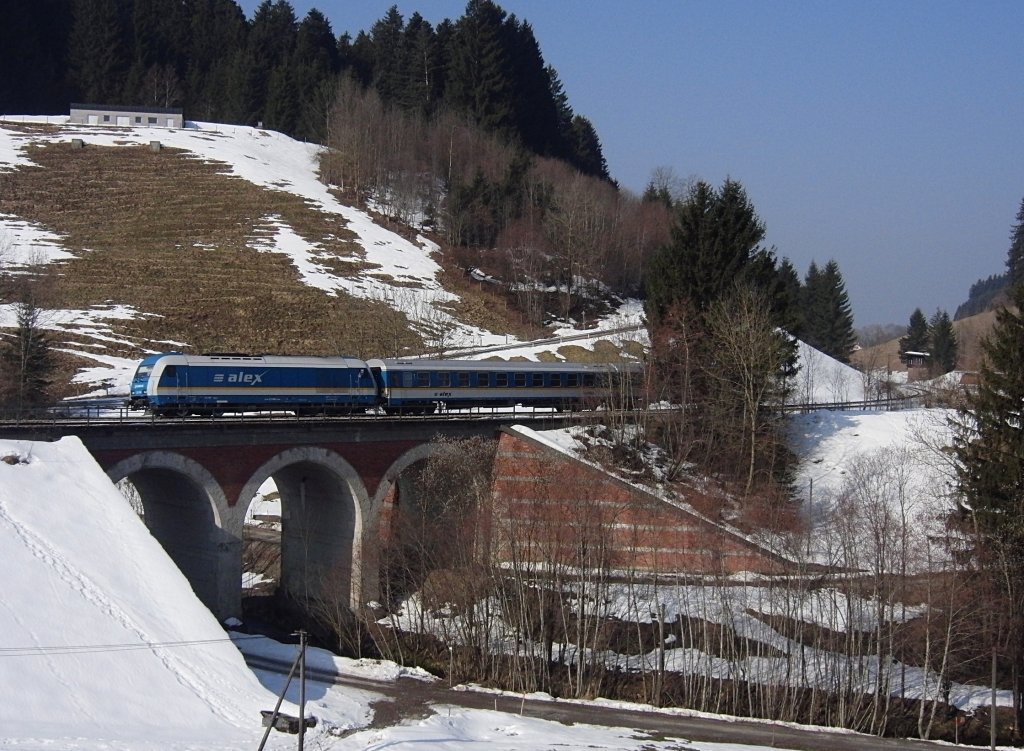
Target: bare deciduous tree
x: 747, y: 358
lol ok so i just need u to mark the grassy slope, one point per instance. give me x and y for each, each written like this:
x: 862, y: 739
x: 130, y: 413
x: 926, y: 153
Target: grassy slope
x: 168, y: 234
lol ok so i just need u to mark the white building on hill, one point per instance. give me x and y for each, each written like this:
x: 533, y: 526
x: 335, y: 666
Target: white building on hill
x: 107, y: 114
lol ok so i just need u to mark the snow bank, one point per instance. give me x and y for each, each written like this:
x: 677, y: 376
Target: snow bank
x: 103, y: 639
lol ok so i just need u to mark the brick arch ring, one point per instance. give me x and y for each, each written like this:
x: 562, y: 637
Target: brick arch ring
x: 184, y: 466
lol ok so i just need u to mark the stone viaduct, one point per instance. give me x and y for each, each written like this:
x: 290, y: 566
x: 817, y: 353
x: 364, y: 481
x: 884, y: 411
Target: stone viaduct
x: 196, y: 479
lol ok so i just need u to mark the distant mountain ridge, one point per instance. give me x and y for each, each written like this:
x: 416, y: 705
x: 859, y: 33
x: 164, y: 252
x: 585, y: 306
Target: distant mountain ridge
x: 985, y: 294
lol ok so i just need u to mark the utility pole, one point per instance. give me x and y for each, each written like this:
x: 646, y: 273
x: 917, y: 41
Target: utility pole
x: 810, y: 514
x: 271, y: 721
x: 992, y: 715
x: 302, y: 688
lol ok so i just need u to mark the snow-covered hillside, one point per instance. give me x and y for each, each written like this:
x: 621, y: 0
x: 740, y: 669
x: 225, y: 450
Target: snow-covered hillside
x: 103, y: 637
x: 393, y: 270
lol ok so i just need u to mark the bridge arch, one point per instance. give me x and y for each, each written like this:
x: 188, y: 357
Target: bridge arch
x: 419, y: 453
x: 185, y: 509
x: 324, y: 513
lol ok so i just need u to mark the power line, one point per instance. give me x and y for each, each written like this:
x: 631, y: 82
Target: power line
x: 39, y: 651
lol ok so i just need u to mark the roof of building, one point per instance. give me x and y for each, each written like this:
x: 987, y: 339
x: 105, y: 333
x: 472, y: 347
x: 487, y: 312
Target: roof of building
x: 127, y: 108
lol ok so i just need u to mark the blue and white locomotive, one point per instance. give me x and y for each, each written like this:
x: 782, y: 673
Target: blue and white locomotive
x: 179, y: 384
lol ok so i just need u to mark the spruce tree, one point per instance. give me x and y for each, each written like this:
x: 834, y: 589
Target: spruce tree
x: 942, y: 342
x: 537, y: 109
x: 839, y: 336
x: 812, y: 304
x: 480, y: 75
x: 270, y: 45
x: 714, y: 245
x: 989, y: 447
x: 425, y: 66
x: 586, y: 155
x: 217, y: 37
x: 916, y: 339
x: 714, y: 323
x: 827, y: 317
x: 787, y: 299
x: 390, y: 71
x: 33, y: 56
x: 315, y: 63
x: 99, y: 50
x: 1015, y: 256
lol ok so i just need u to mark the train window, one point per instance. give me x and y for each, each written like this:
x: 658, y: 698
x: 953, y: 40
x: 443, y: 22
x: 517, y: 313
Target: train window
x: 501, y: 379
x: 574, y: 379
x: 519, y: 379
x: 444, y: 380
x: 588, y: 379
x: 422, y: 378
x: 407, y: 378
x: 536, y: 379
x: 483, y: 379
x: 170, y: 372
x: 462, y: 379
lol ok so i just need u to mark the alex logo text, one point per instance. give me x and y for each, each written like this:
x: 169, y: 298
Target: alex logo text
x: 249, y: 379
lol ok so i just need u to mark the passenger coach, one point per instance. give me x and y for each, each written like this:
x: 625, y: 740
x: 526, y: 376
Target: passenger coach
x: 421, y: 386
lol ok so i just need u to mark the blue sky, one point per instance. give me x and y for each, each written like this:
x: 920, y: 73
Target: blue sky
x: 886, y: 135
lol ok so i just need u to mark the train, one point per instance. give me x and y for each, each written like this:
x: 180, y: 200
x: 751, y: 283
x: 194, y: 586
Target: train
x: 177, y: 384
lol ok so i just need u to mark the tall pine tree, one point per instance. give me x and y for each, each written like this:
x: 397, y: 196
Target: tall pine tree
x: 787, y: 299
x: 812, y: 302
x: 33, y: 56
x: 269, y: 87
x: 99, y: 49
x: 424, y: 66
x: 714, y: 244
x: 1015, y: 256
x: 989, y: 446
x: 217, y: 32
x: 480, y: 74
x: 942, y: 342
x: 916, y: 339
x: 827, y: 315
x: 840, y: 338
x: 390, y: 69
